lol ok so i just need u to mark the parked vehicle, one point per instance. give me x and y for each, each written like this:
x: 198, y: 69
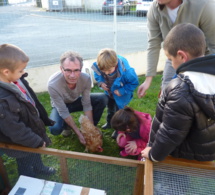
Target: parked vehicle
x: 142, y: 7
x: 122, y: 7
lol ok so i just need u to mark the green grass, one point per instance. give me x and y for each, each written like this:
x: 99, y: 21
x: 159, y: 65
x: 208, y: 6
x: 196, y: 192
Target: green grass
x: 71, y: 143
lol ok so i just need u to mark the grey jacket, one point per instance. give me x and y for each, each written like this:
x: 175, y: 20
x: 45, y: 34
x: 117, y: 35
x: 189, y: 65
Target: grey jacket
x: 198, y: 12
x: 61, y: 94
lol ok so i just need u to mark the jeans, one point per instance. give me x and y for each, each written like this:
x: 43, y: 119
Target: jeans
x: 98, y: 101
x: 168, y: 74
x: 112, y: 108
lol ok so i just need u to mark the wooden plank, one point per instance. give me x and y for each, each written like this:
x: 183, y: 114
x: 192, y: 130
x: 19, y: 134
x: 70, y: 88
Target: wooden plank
x: 3, y: 174
x: 64, y: 170
x: 75, y: 155
x: 148, y: 178
x: 138, y: 186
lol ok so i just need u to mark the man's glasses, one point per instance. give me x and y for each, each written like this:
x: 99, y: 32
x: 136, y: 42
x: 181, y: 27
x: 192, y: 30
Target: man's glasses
x: 69, y: 71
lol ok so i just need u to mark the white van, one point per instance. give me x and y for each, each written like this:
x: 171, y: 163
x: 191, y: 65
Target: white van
x: 142, y: 7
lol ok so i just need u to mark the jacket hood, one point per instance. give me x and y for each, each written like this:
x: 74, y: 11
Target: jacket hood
x: 202, y: 64
x: 205, y: 102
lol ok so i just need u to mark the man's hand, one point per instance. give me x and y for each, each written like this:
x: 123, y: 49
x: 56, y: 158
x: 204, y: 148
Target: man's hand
x: 81, y: 139
x: 131, y: 147
x: 71, y: 123
x: 141, y: 92
x: 145, y: 152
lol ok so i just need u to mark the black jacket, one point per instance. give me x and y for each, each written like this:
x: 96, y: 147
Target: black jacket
x: 43, y: 114
x: 19, y: 119
x: 184, y: 125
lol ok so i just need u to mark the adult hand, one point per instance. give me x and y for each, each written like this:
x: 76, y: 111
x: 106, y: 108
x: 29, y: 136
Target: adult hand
x: 141, y: 92
x: 104, y: 86
x: 131, y: 147
x: 117, y: 93
x: 119, y: 137
x: 145, y: 152
x: 81, y: 139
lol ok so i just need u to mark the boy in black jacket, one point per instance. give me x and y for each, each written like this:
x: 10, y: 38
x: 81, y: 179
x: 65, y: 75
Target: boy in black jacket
x: 23, y: 118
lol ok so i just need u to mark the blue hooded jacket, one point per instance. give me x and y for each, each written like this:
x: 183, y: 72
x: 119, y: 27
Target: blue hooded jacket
x: 126, y: 83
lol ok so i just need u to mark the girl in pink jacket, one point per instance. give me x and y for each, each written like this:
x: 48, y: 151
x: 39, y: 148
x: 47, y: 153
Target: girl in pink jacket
x: 133, y: 130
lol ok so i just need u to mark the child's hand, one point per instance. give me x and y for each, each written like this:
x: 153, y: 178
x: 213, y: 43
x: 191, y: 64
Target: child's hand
x: 145, y: 152
x: 119, y: 137
x: 44, y: 144
x: 104, y: 86
x: 131, y: 147
x: 117, y: 93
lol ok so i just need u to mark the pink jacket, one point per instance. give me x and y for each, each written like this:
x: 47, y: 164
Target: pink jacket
x: 145, y: 124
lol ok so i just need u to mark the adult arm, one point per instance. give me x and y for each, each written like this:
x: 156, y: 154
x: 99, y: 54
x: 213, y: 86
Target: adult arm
x: 64, y: 112
x: 69, y: 120
x: 207, y: 22
x: 86, y: 101
x: 153, y: 51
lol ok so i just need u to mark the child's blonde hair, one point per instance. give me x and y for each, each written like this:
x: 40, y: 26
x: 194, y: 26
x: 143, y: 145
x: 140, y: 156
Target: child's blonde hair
x: 107, y: 59
x: 11, y: 56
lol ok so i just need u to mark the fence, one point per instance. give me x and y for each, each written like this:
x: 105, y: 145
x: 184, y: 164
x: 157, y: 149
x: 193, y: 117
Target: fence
x: 114, y: 175
x: 121, y: 176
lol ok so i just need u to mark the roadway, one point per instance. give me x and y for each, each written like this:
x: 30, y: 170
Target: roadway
x: 45, y: 35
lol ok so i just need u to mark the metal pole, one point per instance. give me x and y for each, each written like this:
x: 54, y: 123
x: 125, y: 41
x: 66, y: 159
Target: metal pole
x: 115, y: 27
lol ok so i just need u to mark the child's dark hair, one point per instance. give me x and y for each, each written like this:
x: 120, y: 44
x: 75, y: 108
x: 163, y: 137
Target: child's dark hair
x: 124, y: 119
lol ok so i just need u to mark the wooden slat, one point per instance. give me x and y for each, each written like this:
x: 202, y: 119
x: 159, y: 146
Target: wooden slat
x: 148, y: 178
x: 75, y: 155
x: 64, y: 170
x: 3, y: 174
x: 138, y: 187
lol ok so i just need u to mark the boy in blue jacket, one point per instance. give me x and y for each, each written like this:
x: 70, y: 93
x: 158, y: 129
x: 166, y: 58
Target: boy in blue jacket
x: 114, y: 74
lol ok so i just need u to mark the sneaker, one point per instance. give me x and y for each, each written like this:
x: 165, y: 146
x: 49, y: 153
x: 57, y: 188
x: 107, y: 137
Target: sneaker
x: 66, y: 133
x: 114, y: 135
x: 106, y: 126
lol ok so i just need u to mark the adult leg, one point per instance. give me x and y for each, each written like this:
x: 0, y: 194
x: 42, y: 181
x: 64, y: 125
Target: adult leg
x: 168, y: 74
x: 59, y: 125
x: 57, y: 128
x: 99, y: 102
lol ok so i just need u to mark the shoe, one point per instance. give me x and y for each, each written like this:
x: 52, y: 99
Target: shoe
x: 66, y: 133
x: 106, y: 126
x: 45, y: 171
x: 114, y: 135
